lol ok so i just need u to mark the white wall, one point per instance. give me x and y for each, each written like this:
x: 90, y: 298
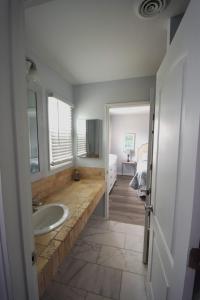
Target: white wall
x: 90, y: 100
x: 122, y: 124
x: 49, y: 81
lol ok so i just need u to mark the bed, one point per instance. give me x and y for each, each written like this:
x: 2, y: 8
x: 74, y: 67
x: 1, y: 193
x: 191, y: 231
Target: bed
x: 112, y: 173
x: 139, y: 181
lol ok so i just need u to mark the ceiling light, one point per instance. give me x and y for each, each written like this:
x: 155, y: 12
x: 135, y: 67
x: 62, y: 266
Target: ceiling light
x: 31, y: 70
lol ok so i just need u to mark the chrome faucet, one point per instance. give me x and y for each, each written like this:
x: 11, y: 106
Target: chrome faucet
x: 36, y: 203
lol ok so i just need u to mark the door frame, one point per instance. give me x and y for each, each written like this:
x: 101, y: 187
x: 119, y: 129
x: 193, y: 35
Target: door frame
x: 5, y: 278
x: 15, y: 173
x: 107, y: 139
x: 149, y: 176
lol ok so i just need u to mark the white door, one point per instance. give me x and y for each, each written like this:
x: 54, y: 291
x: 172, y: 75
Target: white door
x: 3, y: 285
x: 15, y: 175
x: 177, y: 111
x: 5, y: 290
x: 149, y: 177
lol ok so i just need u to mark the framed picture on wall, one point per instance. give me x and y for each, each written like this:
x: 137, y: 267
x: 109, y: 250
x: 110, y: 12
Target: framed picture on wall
x: 129, y: 142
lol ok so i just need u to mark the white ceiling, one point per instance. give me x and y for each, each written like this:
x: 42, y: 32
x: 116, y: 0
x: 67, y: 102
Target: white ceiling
x: 97, y: 40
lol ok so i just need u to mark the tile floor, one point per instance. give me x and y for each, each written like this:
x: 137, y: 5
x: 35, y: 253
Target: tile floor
x: 105, y: 264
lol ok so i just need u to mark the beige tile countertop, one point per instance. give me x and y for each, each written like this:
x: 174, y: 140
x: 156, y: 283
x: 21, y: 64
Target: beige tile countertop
x: 81, y: 198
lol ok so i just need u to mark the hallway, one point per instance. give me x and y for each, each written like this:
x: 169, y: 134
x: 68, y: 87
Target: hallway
x: 105, y: 264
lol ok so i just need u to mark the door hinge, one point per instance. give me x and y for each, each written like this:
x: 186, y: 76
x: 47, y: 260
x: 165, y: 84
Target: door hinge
x: 34, y: 258
x: 194, y: 259
x: 146, y: 191
x: 148, y: 208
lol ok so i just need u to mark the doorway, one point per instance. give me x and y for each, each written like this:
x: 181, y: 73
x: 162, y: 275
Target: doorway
x: 129, y: 141
x: 128, y: 149
x: 127, y: 161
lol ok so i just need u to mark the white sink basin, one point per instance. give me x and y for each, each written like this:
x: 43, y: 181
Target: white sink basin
x: 48, y: 217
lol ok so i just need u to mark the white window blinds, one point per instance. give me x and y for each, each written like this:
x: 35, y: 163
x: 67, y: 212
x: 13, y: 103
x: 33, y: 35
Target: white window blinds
x: 60, y: 131
x: 81, y: 138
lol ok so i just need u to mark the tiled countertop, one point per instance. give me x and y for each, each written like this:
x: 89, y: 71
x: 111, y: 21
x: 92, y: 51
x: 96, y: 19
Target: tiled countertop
x: 81, y: 198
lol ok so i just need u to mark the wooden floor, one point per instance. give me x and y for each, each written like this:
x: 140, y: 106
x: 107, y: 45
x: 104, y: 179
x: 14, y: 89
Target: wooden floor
x: 125, y: 205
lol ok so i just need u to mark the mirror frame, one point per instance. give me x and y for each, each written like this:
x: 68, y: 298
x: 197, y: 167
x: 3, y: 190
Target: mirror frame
x: 36, y: 88
x: 100, y: 139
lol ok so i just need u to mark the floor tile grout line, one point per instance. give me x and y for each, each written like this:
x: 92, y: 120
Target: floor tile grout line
x: 102, y: 219
x: 145, y: 288
x: 98, y: 256
x: 111, y: 231
x: 88, y: 291
x: 81, y: 289
x: 93, y: 293
x: 138, y: 274
x: 109, y: 267
x: 102, y: 244
x: 112, y: 268
x: 110, y: 220
x: 84, y: 237
x: 125, y: 240
x: 120, y: 286
x: 107, y: 229
x: 79, y: 269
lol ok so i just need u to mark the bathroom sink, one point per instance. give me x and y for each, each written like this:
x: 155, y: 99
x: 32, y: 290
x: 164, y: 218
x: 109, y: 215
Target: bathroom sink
x: 48, y: 217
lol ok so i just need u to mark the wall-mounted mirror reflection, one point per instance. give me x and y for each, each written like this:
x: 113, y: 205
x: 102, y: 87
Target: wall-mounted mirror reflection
x: 33, y: 132
x: 89, y: 138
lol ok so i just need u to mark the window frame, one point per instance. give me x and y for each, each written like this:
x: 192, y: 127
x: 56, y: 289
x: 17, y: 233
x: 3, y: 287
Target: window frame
x: 36, y: 88
x: 128, y: 149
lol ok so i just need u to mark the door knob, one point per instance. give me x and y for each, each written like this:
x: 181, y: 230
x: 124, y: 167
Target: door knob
x: 148, y: 208
x: 146, y: 191
x: 194, y: 259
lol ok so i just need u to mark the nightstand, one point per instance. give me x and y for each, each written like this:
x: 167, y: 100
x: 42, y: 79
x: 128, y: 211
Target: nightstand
x: 132, y: 164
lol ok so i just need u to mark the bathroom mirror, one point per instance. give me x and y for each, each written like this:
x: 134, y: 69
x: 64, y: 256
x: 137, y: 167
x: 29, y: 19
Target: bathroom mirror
x: 89, y: 138
x: 33, y: 132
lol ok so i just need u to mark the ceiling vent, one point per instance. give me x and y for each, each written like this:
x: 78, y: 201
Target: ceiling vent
x: 151, y: 8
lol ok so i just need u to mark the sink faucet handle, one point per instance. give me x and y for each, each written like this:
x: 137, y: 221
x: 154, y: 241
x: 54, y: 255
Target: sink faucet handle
x: 36, y: 201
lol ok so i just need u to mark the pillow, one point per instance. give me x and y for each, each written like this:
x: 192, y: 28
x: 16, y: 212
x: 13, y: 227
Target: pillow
x: 144, y: 156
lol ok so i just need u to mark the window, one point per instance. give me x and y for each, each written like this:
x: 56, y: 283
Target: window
x: 60, y: 131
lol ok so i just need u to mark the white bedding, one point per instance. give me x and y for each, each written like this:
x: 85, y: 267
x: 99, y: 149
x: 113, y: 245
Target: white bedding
x: 139, y: 181
x: 112, y: 159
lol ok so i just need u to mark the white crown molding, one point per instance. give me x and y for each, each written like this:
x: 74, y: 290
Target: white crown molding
x: 31, y: 3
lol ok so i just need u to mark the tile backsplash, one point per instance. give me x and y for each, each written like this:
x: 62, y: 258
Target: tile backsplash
x: 48, y: 185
